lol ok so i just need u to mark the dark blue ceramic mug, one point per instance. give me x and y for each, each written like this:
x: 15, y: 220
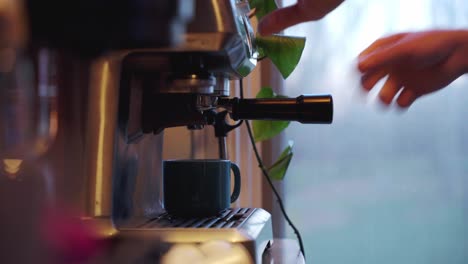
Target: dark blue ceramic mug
x: 199, y: 187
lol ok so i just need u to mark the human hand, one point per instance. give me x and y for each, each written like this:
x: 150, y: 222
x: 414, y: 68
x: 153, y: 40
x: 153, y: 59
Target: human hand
x: 416, y: 63
x: 302, y: 11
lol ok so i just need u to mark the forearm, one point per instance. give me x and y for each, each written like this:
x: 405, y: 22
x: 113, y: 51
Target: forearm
x: 320, y: 9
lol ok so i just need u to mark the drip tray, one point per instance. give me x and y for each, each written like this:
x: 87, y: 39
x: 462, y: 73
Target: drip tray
x: 250, y: 227
x: 229, y: 218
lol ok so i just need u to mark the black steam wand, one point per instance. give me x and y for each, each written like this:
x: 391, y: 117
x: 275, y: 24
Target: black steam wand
x: 306, y: 109
x: 315, y: 109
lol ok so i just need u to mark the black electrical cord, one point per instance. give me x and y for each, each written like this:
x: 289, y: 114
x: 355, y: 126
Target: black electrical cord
x: 267, y: 177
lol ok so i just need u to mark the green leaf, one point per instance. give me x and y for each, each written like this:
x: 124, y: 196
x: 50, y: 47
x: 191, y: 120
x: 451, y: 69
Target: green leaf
x: 277, y: 171
x: 265, y: 92
x: 244, y: 70
x: 264, y: 129
x: 263, y: 7
x: 284, y: 51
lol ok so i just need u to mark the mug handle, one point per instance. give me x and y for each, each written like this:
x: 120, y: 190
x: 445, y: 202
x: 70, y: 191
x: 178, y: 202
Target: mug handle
x: 237, y: 182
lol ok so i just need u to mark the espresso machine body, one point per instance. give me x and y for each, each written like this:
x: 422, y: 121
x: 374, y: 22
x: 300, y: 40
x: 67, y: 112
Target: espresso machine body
x: 117, y: 73
x: 134, y: 94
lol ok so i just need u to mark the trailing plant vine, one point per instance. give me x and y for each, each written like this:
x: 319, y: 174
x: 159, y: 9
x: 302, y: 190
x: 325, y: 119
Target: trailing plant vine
x: 285, y: 53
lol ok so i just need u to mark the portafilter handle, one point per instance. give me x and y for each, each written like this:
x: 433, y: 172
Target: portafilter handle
x: 306, y: 109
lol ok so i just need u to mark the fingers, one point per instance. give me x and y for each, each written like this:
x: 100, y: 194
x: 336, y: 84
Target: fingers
x: 385, y: 57
x: 382, y: 42
x: 390, y: 89
x: 419, y: 64
x: 280, y: 20
x: 407, y: 98
x: 369, y: 80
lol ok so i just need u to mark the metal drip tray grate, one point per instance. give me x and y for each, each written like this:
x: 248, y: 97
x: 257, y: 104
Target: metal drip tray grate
x: 229, y: 218
x: 250, y: 227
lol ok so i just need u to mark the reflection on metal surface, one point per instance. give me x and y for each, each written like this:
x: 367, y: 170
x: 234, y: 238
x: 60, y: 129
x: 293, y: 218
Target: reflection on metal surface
x: 53, y: 124
x: 101, y: 125
x: 103, y: 228
x: 11, y: 167
x: 104, y: 85
x: 217, y: 13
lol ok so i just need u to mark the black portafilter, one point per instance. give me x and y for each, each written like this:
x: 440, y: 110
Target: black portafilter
x: 306, y: 109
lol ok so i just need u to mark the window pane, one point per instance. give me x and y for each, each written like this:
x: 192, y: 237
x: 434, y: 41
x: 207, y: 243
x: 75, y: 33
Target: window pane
x: 378, y: 186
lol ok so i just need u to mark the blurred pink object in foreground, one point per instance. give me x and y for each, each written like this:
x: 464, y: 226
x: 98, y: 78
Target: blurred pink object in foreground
x: 69, y: 238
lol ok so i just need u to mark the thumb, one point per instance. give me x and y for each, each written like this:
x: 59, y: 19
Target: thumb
x: 280, y: 19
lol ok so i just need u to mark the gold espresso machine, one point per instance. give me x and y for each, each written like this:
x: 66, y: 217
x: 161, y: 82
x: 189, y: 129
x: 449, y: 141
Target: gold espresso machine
x: 108, y: 78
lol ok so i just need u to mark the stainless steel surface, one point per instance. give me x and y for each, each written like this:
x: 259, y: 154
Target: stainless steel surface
x: 100, y: 135
x: 223, y: 154
x: 223, y: 86
x: 193, y: 84
x: 250, y: 227
x: 222, y: 33
x: 124, y: 176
